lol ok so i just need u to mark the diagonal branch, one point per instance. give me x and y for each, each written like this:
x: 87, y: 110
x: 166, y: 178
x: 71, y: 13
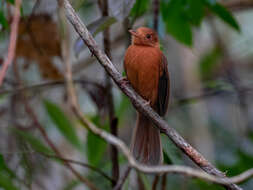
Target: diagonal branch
x: 141, y: 105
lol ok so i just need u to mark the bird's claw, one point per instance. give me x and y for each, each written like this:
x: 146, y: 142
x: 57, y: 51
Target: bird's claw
x: 124, y: 80
x: 147, y: 103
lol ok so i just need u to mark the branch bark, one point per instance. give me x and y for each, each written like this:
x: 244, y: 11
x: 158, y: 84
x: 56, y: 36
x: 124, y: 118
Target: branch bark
x: 139, y: 103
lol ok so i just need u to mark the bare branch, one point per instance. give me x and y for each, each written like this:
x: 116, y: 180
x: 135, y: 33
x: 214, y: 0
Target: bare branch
x: 139, y: 103
x: 13, y: 41
x: 81, y: 164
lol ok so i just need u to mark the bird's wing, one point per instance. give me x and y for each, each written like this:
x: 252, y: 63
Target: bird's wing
x: 163, y: 87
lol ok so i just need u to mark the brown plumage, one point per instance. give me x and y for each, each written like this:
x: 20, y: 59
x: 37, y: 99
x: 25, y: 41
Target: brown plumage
x: 146, y: 69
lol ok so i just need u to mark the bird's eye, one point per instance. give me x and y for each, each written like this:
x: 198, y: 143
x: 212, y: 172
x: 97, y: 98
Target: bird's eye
x: 148, y: 36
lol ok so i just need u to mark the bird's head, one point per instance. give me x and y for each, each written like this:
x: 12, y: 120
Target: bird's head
x: 144, y: 36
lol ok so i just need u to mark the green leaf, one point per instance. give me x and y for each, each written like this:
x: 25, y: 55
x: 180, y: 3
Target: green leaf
x: 210, y: 2
x: 102, y: 24
x: 146, y: 182
x: 176, y: 21
x: 180, y: 29
x: 195, y: 11
x: 4, y: 167
x: 225, y: 15
x: 166, y: 158
x: 62, y: 123
x: 3, y: 20
x: 95, y: 146
x: 201, y: 184
x: 244, y: 162
x: 11, y: 1
x: 139, y: 8
x: 170, y: 152
x: 72, y: 185
x: 6, y: 182
x: 122, y: 106
x: 35, y: 143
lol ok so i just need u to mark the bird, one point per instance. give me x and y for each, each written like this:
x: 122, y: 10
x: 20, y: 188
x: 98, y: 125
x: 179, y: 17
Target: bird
x: 146, y: 69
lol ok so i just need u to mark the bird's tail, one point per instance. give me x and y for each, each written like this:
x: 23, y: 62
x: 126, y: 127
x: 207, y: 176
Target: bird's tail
x: 146, y: 143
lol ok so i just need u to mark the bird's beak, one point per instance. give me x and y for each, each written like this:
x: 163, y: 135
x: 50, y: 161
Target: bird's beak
x: 134, y: 33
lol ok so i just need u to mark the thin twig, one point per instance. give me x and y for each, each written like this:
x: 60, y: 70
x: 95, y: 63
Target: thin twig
x: 13, y: 41
x: 164, y: 182
x: 81, y: 164
x: 47, y: 84
x: 155, y: 182
x: 122, y: 179
x: 139, y: 103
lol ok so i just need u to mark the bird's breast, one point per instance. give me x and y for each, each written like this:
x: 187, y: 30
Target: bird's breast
x: 142, y: 65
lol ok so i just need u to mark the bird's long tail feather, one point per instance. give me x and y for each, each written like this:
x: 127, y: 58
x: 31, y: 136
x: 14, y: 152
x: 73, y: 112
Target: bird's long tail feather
x: 146, y: 143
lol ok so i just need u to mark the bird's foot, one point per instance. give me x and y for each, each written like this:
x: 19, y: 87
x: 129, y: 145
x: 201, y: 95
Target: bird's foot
x: 147, y: 103
x: 124, y: 80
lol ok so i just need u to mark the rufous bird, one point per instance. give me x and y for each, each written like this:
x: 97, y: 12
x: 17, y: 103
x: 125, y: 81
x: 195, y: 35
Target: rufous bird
x: 146, y: 69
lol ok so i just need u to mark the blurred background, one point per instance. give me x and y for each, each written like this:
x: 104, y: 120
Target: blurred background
x: 209, y: 48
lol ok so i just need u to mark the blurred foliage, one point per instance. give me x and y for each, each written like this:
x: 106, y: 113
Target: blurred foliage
x: 35, y: 143
x: 5, y: 169
x: 3, y: 20
x: 39, y: 42
x: 209, y: 63
x: 95, y: 143
x: 139, y: 8
x: 62, y: 123
x: 6, y: 176
x: 180, y: 16
x: 6, y: 182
